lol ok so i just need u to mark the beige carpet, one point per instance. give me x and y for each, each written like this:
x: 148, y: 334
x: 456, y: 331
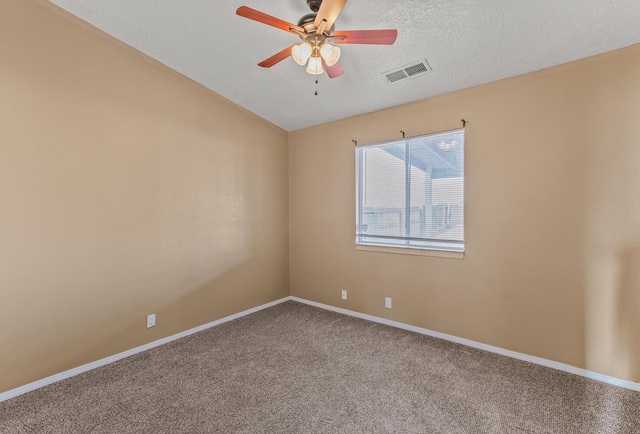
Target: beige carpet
x: 297, y: 369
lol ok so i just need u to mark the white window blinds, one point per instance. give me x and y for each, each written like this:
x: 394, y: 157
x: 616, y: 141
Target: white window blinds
x: 410, y: 192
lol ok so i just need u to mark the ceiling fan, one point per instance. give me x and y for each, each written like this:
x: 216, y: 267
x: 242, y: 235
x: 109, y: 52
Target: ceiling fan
x: 317, y: 30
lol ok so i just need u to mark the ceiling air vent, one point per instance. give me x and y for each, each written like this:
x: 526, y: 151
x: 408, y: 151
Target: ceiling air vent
x: 411, y: 70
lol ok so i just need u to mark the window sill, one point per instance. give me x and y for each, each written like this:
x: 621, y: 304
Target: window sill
x: 410, y: 251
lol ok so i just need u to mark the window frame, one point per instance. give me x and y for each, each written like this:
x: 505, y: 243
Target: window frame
x: 407, y: 248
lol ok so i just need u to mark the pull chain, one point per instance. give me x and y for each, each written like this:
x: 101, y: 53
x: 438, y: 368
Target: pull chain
x: 316, y: 87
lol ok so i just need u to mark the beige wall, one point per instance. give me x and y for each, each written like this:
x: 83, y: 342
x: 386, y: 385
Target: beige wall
x: 125, y: 189
x: 552, y: 266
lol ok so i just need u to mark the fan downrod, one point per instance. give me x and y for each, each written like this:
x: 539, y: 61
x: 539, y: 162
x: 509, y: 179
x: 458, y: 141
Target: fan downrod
x: 314, y: 5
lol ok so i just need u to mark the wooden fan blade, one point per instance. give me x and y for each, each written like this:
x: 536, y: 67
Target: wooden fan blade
x: 261, y: 17
x: 333, y: 71
x: 379, y: 37
x: 329, y: 11
x: 278, y: 57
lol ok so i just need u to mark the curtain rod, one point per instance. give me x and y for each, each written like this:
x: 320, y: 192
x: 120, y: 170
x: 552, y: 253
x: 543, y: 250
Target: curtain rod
x: 464, y: 125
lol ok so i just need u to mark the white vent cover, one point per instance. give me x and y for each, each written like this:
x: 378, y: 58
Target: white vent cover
x: 408, y: 71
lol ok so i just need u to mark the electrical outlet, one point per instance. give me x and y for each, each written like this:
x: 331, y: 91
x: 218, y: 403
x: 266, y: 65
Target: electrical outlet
x: 387, y: 302
x: 344, y: 294
x: 151, y: 320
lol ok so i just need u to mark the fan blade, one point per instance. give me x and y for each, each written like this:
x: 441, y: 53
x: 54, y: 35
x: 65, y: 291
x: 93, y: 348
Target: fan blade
x: 261, y: 17
x: 278, y: 57
x: 329, y: 11
x: 379, y: 37
x: 333, y: 71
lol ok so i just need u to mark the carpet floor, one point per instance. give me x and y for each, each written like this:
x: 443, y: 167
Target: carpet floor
x: 294, y: 368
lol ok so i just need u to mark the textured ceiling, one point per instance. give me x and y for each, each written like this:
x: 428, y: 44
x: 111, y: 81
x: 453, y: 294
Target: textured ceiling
x: 466, y: 42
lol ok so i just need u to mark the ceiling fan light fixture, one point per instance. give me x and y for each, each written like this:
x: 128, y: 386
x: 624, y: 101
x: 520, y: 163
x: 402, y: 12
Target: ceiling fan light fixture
x: 315, y: 66
x: 330, y: 54
x: 316, y: 30
x: 301, y: 53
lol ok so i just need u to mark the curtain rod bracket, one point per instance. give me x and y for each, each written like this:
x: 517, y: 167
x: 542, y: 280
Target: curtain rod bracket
x: 355, y: 142
x: 464, y: 123
x: 402, y: 133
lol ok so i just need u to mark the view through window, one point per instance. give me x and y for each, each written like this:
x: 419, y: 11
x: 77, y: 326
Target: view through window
x: 410, y: 192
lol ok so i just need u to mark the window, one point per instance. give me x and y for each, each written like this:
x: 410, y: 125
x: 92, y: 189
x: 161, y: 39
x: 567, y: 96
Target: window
x: 410, y: 193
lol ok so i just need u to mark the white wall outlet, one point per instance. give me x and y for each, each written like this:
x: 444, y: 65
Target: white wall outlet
x: 387, y: 302
x: 151, y: 320
x: 344, y: 294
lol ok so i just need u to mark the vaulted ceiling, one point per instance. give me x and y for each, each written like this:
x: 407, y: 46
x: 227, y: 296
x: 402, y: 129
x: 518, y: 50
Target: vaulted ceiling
x: 466, y: 43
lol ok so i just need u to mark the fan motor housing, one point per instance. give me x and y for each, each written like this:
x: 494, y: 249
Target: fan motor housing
x: 306, y: 20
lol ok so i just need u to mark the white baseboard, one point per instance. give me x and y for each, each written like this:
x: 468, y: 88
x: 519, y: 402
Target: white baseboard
x: 520, y: 356
x: 513, y: 354
x: 98, y: 363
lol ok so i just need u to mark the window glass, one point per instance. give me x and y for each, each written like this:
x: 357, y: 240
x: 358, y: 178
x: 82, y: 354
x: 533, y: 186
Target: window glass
x: 410, y: 193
